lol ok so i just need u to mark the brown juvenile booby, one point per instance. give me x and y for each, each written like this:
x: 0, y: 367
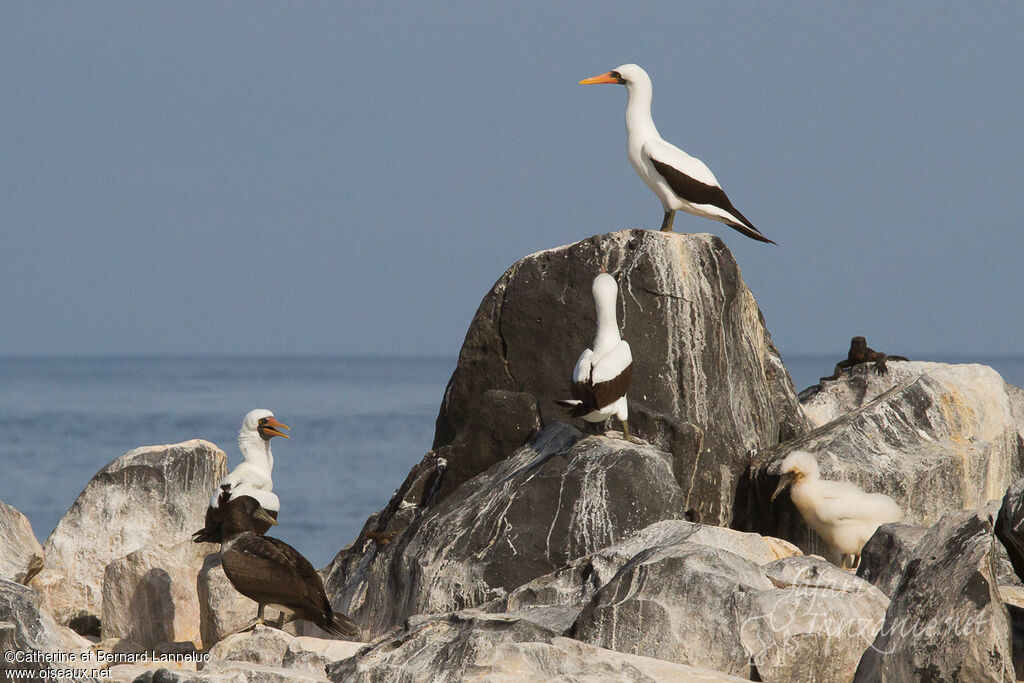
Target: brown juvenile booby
x: 860, y: 353
x: 680, y: 181
x: 251, y: 477
x: 273, y: 573
x: 602, y: 374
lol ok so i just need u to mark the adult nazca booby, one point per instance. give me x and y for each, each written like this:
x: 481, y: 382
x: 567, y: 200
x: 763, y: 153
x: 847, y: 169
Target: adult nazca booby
x: 680, y: 181
x: 842, y: 513
x: 273, y: 573
x: 602, y: 374
x: 251, y: 477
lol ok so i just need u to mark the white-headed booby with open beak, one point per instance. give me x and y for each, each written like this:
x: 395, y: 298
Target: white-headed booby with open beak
x: 602, y: 374
x: 251, y: 477
x: 680, y: 181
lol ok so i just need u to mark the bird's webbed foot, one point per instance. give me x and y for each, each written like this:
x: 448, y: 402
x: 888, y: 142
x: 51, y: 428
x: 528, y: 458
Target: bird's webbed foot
x: 880, y: 367
x: 666, y: 223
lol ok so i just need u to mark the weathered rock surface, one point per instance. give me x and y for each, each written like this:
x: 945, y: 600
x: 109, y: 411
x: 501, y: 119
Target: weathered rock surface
x: 814, y: 626
x: 27, y: 628
x: 314, y: 655
x: 151, y: 496
x: 556, y: 599
x: 21, y: 556
x: 222, y: 609
x: 262, y: 645
x: 149, y: 595
x: 887, y: 553
x: 946, y: 621
x: 708, y: 385
x: 937, y: 438
x: 556, y: 499
x: 1010, y: 525
x: 492, y: 648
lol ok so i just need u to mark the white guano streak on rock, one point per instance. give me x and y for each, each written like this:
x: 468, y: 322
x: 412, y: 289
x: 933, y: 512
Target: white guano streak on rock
x: 590, y: 519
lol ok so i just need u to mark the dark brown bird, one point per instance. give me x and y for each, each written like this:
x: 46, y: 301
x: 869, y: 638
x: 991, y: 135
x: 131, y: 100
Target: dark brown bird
x: 273, y: 573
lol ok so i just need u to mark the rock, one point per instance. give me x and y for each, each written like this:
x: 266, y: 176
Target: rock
x: 887, y: 553
x: 232, y: 672
x: 494, y: 648
x: 316, y: 654
x: 937, y: 438
x: 556, y: 599
x: 676, y: 603
x: 946, y: 621
x: 708, y: 385
x: 25, y: 627
x: 1010, y: 525
x: 151, y: 496
x: 222, y: 609
x: 21, y: 556
x: 149, y: 596
x: 814, y: 626
x: 262, y: 645
x: 556, y: 499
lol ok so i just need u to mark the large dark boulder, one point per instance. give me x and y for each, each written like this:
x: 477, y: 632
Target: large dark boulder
x: 560, y: 497
x: 946, y: 621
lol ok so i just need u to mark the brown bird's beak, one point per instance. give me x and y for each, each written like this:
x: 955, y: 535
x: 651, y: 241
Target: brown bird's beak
x: 603, y: 78
x: 784, y: 481
x: 273, y: 428
x: 264, y: 516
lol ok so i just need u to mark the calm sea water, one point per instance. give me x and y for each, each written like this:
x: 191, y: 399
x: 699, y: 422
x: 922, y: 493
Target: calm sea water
x: 358, y: 425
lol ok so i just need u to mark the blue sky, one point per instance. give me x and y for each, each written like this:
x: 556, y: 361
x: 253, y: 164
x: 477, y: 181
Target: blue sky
x: 352, y: 177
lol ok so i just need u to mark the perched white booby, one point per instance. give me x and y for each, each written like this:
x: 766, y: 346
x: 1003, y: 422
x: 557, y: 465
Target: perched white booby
x: 680, y: 181
x: 251, y: 477
x: 273, y: 573
x: 842, y: 513
x: 602, y: 374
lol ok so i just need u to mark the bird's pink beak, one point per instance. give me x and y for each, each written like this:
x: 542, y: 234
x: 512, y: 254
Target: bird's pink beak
x: 603, y: 78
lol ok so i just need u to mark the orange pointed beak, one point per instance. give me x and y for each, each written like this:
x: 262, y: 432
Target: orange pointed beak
x: 272, y: 427
x: 603, y: 78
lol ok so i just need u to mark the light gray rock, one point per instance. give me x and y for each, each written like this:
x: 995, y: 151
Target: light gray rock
x: 556, y: 499
x: 495, y: 648
x: 222, y: 609
x: 262, y: 645
x: 937, y: 438
x: 946, y: 621
x: 676, y: 603
x: 25, y: 627
x: 21, y: 556
x: 708, y: 384
x: 314, y: 655
x: 814, y: 627
x: 1010, y: 525
x: 232, y: 672
x: 149, y: 596
x: 151, y: 496
x: 556, y: 599
x: 887, y: 553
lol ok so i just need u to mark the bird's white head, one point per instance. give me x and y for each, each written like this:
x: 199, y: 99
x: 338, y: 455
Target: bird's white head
x: 605, y: 289
x: 262, y: 423
x: 629, y: 75
x: 796, y: 467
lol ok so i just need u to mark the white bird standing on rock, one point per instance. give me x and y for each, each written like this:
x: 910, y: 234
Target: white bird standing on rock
x: 252, y: 477
x: 842, y: 513
x: 680, y: 181
x: 602, y: 374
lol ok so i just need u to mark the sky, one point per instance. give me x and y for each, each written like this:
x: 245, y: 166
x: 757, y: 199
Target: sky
x: 351, y: 178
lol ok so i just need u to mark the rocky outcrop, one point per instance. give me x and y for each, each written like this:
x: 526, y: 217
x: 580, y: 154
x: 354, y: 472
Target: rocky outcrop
x: 708, y: 385
x: 149, y: 595
x: 558, y: 498
x: 887, y: 554
x: 26, y: 628
x: 21, y: 556
x: 937, y: 438
x: 1010, y: 525
x: 494, y: 648
x: 946, y: 621
x: 151, y: 496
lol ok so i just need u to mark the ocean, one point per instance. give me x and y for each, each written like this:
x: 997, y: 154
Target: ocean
x: 358, y: 425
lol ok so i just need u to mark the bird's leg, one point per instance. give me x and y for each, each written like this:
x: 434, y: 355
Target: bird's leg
x: 856, y: 562
x: 666, y: 224
x: 625, y: 433
x: 258, y: 621
x: 280, y: 621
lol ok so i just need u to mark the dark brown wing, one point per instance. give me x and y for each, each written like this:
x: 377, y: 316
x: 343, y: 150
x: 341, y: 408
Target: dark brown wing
x: 696, y: 192
x: 269, y: 570
x: 606, y: 393
x: 210, y: 533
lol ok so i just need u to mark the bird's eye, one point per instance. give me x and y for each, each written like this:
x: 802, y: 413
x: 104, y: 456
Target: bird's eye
x: 263, y: 420
x: 616, y: 75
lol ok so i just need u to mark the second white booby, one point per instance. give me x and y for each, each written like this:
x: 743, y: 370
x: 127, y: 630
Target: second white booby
x: 253, y: 476
x: 602, y: 374
x: 680, y: 181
